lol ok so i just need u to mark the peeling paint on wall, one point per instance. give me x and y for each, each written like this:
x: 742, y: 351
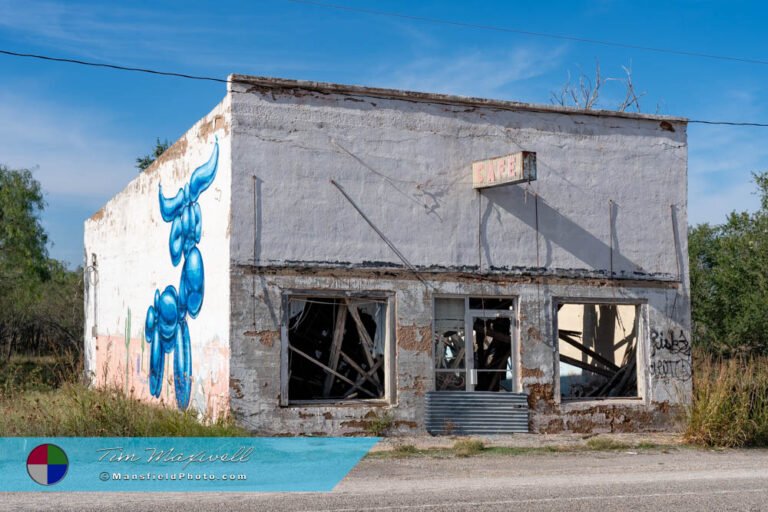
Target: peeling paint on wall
x: 128, y: 245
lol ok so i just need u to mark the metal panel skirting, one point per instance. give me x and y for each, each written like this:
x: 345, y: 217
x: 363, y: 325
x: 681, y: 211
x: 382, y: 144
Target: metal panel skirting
x: 476, y: 412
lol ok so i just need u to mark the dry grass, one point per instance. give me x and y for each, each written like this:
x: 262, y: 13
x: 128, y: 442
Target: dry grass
x: 41, y: 396
x: 730, y: 402
x: 75, y: 410
x: 468, y: 447
x: 606, y: 443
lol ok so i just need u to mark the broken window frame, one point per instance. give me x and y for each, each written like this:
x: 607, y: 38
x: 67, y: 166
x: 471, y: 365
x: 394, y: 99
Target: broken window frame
x: 641, y: 342
x: 388, y: 300
x: 470, y: 372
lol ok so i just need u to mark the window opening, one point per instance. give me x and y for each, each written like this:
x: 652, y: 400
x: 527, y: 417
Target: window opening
x: 336, y: 348
x: 597, y: 346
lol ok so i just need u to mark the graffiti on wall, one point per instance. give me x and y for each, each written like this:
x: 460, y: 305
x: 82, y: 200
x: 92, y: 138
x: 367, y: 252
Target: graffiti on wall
x: 676, y: 369
x: 166, y: 328
x: 673, y: 343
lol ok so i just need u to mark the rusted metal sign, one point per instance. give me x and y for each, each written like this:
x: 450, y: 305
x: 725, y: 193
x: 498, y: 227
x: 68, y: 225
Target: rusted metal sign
x: 504, y: 170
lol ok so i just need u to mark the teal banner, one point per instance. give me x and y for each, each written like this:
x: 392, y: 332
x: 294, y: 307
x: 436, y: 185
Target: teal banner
x: 173, y: 464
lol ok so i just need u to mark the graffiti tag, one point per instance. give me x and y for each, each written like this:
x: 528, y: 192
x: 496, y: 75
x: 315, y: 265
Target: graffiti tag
x: 673, y: 341
x: 677, y: 369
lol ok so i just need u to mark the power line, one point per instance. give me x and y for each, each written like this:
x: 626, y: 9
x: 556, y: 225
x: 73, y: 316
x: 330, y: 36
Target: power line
x: 728, y: 123
x: 112, y: 66
x: 561, y: 37
x: 175, y: 74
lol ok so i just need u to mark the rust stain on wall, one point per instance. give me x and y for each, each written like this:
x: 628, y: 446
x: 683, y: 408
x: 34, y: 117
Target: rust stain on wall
x: 267, y: 338
x: 536, y: 373
x: 539, y: 396
x: 419, y: 387
x: 234, y: 385
x: 414, y: 338
x: 99, y: 214
x: 217, y: 123
x: 534, y: 333
x: 360, y: 424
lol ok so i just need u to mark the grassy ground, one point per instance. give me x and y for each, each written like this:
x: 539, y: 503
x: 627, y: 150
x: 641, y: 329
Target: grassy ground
x: 41, y: 397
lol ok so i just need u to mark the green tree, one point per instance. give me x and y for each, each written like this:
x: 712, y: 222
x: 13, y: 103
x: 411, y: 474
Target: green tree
x: 145, y: 161
x: 41, y: 304
x: 22, y: 238
x: 729, y: 280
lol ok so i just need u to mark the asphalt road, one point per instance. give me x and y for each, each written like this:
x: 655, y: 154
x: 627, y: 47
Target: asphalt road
x: 683, y: 479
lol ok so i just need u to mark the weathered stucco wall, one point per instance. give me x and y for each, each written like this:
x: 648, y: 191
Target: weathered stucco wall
x: 611, y: 191
x: 609, y: 201
x: 256, y: 355
x: 129, y: 258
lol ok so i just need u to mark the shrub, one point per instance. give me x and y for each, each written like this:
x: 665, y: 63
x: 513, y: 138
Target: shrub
x: 730, y: 402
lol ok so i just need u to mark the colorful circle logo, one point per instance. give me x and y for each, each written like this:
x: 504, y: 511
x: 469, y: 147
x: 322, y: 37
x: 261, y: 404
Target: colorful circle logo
x: 47, y: 464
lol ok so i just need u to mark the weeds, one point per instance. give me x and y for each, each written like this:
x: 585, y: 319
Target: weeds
x: 75, y: 410
x: 605, y: 443
x: 405, y: 450
x: 41, y: 396
x: 380, y: 425
x: 468, y: 447
x: 730, y: 402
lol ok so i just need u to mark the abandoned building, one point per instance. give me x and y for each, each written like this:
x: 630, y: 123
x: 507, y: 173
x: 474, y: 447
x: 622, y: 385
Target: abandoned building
x: 326, y: 259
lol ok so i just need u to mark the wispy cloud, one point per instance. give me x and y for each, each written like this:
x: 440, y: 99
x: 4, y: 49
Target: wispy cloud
x: 722, y: 159
x: 472, y: 73
x: 74, y: 157
x: 70, y: 150
x: 712, y: 203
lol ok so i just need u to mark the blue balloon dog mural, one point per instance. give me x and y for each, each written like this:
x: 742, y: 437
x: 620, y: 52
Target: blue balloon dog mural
x: 166, y: 326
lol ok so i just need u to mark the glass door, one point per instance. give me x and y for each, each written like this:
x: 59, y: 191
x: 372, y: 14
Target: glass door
x: 450, y: 345
x: 493, y: 365
x: 487, y: 359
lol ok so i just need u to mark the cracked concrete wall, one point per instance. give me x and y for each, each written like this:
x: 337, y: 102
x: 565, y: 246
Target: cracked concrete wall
x: 256, y: 341
x: 610, y: 193
x: 128, y: 243
x: 609, y: 201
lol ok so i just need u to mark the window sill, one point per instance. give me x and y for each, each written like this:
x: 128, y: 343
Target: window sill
x: 577, y: 404
x: 308, y: 404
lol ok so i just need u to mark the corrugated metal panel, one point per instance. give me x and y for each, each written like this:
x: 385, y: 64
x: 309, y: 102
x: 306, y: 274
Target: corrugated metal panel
x: 476, y: 412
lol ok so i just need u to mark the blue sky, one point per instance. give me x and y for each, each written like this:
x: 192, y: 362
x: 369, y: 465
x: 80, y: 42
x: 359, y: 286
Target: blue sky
x: 80, y: 129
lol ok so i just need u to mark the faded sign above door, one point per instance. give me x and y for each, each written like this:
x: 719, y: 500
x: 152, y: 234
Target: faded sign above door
x: 504, y: 170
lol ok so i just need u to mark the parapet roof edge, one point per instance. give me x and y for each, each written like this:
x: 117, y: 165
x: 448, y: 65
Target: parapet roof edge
x: 358, y: 90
